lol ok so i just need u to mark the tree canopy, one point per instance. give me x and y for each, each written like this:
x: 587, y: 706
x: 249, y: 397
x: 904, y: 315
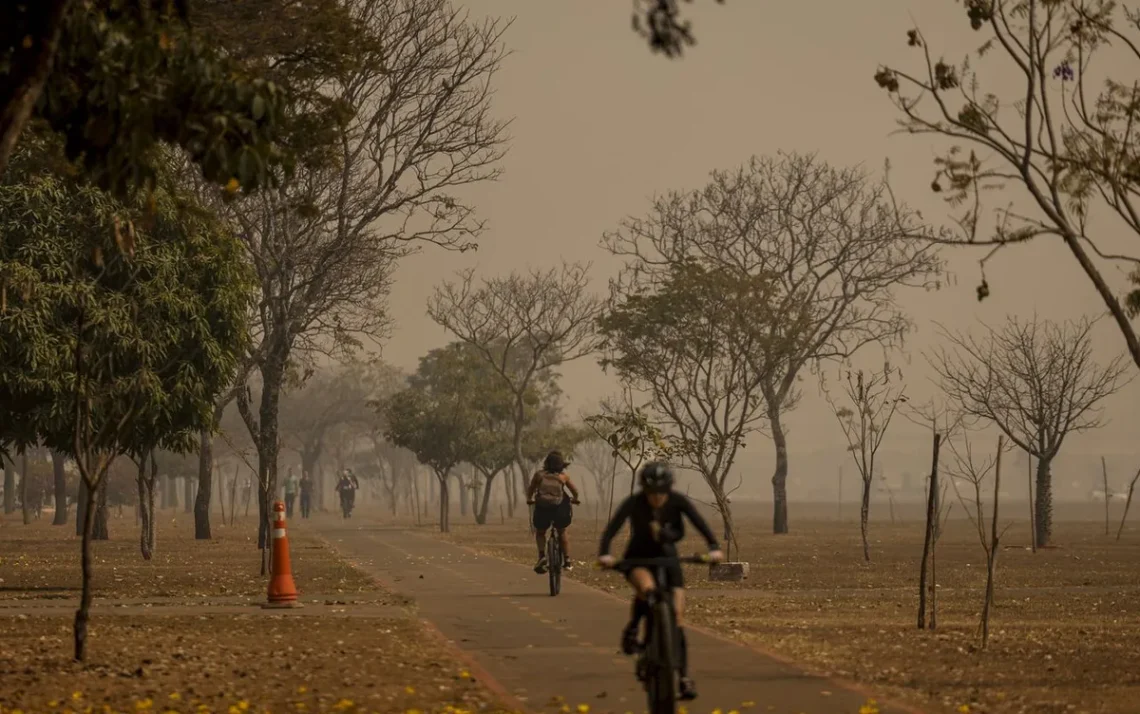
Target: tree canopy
x: 160, y: 314
x: 117, y: 78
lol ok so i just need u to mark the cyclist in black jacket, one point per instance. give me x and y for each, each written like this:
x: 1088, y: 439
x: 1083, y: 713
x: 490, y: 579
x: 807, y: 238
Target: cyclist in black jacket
x: 656, y: 525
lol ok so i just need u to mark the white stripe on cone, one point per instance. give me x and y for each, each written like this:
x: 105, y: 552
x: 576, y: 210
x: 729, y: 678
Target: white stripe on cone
x: 278, y: 532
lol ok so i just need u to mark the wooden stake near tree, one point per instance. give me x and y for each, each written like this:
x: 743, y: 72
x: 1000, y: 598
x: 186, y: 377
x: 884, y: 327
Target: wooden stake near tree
x: 1127, y: 503
x: 1107, y: 493
x: 931, y: 516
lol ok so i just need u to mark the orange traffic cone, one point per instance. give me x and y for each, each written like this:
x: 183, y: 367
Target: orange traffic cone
x: 282, y: 590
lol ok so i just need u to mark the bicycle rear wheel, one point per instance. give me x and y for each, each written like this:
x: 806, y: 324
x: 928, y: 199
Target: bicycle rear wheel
x: 554, y: 564
x: 661, y: 663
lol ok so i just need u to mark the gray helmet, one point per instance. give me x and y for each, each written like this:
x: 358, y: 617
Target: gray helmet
x: 656, y: 477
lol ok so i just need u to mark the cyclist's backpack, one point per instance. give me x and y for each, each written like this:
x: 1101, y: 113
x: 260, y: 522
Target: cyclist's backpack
x: 549, y: 489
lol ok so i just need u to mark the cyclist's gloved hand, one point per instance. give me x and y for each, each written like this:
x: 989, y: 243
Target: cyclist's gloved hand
x: 606, y: 561
x: 715, y: 556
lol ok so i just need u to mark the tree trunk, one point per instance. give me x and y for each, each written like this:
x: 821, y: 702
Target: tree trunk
x: 318, y: 488
x: 725, y: 510
x: 272, y: 380
x: 81, y: 509
x: 864, y: 518
x: 205, y: 486
x: 101, y: 529
x: 86, y: 517
x: 1043, y: 511
x: 41, y: 23
x: 464, y: 495
x: 60, y: 478
x: 25, y: 505
x: 146, y: 507
x: 444, y: 505
x: 9, y: 486
x: 780, y: 476
x: 481, y: 513
x: 167, y: 488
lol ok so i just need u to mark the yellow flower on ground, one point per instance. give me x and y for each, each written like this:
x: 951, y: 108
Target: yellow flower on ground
x: 233, y: 185
x: 964, y: 709
x: 144, y: 704
x: 302, y: 689
x: 76, y: 696
x: 343, y: 704
x: 583, y: 709
x: 465, y: 675
x: 175, y: 697
x: 869, y: 708
x: 410, y: 690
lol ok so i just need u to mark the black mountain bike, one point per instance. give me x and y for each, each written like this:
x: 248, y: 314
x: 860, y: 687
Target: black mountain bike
x: 657, y: 665
x: 554, y: 561
x: 554, y: 556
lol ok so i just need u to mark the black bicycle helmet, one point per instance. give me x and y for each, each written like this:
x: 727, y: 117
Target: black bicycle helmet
x: 656, y: 477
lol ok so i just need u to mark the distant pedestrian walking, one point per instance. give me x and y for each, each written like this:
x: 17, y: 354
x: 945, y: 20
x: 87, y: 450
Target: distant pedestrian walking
x: 306, y: 495
x: 290, y: 493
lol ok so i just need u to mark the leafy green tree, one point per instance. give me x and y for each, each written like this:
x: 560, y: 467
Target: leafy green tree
x: 1058, y: 149
x: 523, y: 326
x: 435, y: 419
x: 112, y: 340
x: 830, y: 241
x: 689, y: 342
x: 116, y: 78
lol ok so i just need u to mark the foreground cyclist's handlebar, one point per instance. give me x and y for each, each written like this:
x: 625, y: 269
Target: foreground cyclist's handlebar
x: 699, y: 559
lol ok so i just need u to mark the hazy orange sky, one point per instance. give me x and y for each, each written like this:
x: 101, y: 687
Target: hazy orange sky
x: 600, y: 124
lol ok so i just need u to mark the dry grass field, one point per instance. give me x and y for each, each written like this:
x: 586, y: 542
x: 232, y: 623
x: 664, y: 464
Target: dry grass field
x: 1065, y: 634
x: 182, y: 633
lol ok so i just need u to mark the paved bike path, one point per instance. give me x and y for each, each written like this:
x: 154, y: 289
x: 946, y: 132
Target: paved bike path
x: 563, y: 649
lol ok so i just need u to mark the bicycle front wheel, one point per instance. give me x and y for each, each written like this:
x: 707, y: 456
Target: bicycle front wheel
x: 554, y: 565
x: 661, y: 663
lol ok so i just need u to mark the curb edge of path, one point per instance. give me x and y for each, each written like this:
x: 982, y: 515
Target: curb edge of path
x: 467, y: 659
x: 847, y: 684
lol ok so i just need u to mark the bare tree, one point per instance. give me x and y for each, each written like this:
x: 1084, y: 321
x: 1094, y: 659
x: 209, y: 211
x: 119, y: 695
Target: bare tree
x: 522, y: 324
x: 1064, y: 137
x: 1037, y: 382
x: 830, y: 240
x: 874, y: 398
x: 966, y: 468
x: 325, y: 244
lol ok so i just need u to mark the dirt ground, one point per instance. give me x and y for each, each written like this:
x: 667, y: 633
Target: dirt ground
x: 42, y: 561
x: 1065, y: 634
x: 199, y: 644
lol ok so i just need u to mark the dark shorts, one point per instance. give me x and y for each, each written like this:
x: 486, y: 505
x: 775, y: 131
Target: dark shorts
x: 558, y: 516
x: 674, y: 575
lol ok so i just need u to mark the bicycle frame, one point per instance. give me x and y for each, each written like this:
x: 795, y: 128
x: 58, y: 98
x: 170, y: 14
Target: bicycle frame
x: 659, y: 659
